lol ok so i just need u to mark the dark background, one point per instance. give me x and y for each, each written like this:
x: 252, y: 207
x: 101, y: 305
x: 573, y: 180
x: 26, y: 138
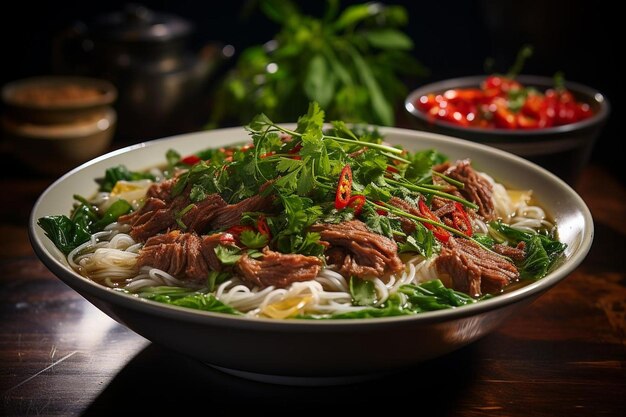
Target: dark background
x: 452, y: 38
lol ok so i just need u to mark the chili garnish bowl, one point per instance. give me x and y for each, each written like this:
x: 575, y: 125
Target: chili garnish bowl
x: 564, y: 150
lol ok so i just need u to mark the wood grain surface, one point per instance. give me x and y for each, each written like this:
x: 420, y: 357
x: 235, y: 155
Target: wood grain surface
x: 564, y: 355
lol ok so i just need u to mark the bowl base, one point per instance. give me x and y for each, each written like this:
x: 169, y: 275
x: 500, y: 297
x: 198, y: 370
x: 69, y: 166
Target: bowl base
x: 301, y: 381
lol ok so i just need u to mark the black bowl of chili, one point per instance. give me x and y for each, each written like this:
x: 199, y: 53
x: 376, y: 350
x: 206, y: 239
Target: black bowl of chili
x: 527, y: 116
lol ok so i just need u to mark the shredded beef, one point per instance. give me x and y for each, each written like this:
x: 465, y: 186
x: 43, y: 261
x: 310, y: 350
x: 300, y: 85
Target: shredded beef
x: 230, y: 215
x: 185, y: 256
x: 476, y: 188
x: 408, y: 225
x: 516, y: 253
x: 473, y: 269
x: 201, y: 213
x: 356, y: 251
x: 152, y: 218
x: 160, y: 211
x: 162, y: 190
x: 278, y: 269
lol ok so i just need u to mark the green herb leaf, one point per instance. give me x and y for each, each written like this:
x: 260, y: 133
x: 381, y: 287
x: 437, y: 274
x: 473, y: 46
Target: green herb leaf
x: 253, y: 240
x: 228, y: 255
x: 319, y: 83
x: 363, y: 292
x: 388, y: 39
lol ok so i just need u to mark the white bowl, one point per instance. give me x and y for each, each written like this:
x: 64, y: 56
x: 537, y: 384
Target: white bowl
x: 309, y: 351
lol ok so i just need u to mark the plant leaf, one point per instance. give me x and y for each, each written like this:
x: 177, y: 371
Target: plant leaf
x: 319, y: 83
x: 383, y: 111
x: 388, y: 39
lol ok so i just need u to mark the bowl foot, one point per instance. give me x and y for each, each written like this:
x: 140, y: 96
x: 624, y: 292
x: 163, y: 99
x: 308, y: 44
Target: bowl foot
x: 302, y: 381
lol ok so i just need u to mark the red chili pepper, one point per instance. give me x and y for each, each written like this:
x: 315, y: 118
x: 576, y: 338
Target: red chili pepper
x: 296, y: 148
x: 227, y: 239
x: 191, y: 160
x: 234, y: 232
x: 462, y: 221
x: 490, y: 106
x: 344, y: 188
x: 356, y: 203
x: 526, y: 122
x: 440, y: 233
x: 262, y: 227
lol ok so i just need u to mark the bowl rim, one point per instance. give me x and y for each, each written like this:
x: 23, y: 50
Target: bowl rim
x: 120, y: 299
x: 528, y: 80
x: 108, y: 92
x: 61, y: 131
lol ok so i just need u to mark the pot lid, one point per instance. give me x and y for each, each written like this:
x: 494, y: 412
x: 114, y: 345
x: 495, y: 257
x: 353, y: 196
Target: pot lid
x: 137, y: 23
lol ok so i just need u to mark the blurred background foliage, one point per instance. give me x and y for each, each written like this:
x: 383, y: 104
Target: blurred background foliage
x: 351, y: 61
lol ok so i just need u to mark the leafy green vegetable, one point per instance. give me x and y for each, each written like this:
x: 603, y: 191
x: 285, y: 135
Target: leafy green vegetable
x: 427, y: 296
x: 117, y: 209
x: 433, y: 295
x: 65, y: 233
x: 352, y: 63
x: 391, y: 307
x: 216, y: 278
x: 363, y: 292
x: 183, y: 297
x: 119, y: 173
x: 484, y: 240
x: 536, y: 261
x: 421, y: 241
x: 542, y: 250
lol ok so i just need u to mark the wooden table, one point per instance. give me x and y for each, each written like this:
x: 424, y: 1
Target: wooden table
x: 565, y: 355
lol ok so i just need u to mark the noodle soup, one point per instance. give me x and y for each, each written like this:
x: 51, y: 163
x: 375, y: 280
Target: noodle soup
x: 308, y: 223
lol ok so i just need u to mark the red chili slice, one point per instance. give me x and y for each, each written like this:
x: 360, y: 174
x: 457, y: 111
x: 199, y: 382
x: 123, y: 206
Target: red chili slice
x: 356, y: 203
x: 344, y: 188
x: 262, y: 227
x: 440, y: 233
x: 191, y: 160
x: 233, y: 233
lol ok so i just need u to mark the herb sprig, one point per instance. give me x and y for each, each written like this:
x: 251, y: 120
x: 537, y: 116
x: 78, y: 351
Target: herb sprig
x: 352, y: 62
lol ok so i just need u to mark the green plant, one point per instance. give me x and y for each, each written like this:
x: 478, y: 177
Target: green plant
x: 350, y: 62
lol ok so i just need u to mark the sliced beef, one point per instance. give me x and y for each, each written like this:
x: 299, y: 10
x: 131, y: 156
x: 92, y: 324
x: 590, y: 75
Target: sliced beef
x: 159, y: 212
x: 473, y: 269
x: 357, y: 251
x: 185, y: 256
x: 201, y: 213
x: 408, y: 225
x: 516, y: 253
x: 476, y: 188
x: 152, y: 218
x: 278, y: 269
x: 442, y: 207
x: 162, y: 190
x: 230, y: 215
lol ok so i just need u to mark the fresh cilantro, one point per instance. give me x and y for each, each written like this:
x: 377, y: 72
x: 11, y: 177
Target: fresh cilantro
x: 252, y: 239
